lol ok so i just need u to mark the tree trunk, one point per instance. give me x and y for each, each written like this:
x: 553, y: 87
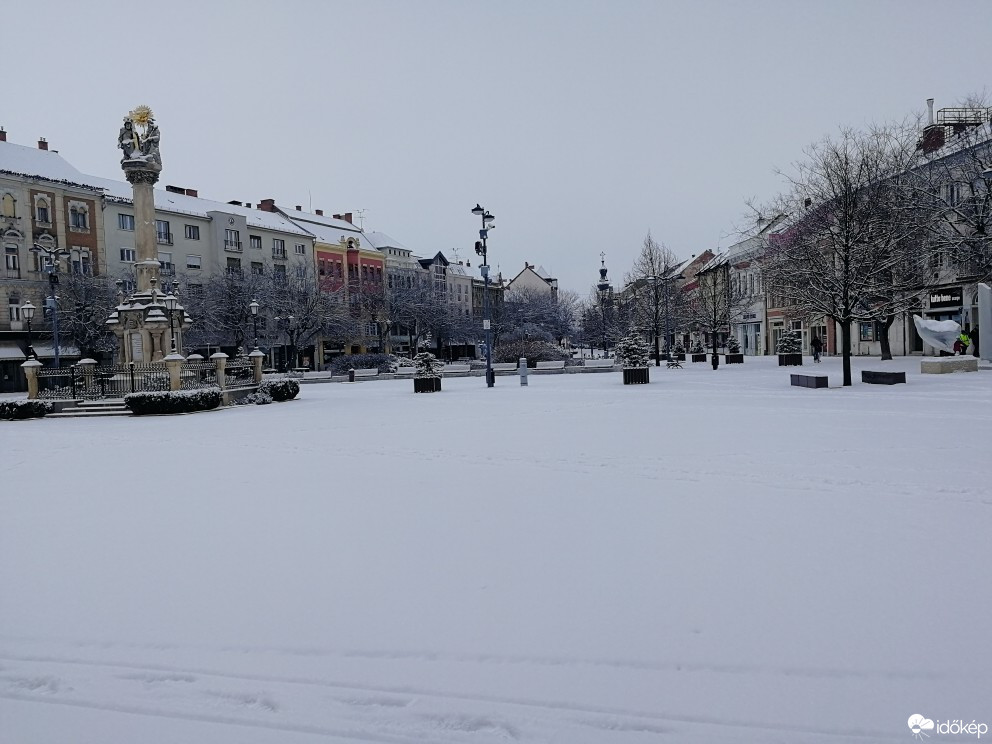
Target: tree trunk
x: 657, y: 349
x: 883, y: 339
x: 845, y: 340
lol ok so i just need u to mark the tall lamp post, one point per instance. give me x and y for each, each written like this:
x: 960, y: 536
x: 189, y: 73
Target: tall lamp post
x: 253, y: 306
x: 170, y: 301
x: 27, y: 312
x: 604, y: 294
x: 481, y: 249
x: 291, y: 331
x: 51, y: 303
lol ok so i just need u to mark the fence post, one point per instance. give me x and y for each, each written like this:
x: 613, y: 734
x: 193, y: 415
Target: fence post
x: 174, y: 363
x: 31, y: 367
x: 256, y: 359
x: 86, y: 366
x: 131, y: 370
x: 220, y: 362
x: 522, y: 369
x: 72, y: 380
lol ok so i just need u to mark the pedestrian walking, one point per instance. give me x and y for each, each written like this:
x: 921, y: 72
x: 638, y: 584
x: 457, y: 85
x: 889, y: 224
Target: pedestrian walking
x: 817, y: 346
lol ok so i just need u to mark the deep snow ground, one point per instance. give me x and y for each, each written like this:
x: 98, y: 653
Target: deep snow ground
x: 715, y: 557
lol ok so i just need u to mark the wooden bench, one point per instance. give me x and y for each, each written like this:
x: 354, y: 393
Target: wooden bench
x: 597, y: 363
x: 882, y: 378
x: 809, y: 381
x: 551, y: 365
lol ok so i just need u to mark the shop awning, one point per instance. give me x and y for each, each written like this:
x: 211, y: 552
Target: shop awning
x: 11, y: 352
x: 47, y: 351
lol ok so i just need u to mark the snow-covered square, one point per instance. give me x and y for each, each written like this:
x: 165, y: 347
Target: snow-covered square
x: 714, y: 557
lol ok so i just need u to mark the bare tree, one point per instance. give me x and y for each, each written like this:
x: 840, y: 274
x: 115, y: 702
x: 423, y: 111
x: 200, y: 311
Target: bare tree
x: 84, y: 303
x: 717, y: 302
x: 656, y: 303
x: 845, y: 253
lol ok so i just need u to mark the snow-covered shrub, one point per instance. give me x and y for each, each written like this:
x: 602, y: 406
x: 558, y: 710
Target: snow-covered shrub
x: 535, y: 351
x: 23, y: 409
x: 697, y: 347
x: 280, y: 389
x: 790, y: 342
x: 428, y: 366
x: 678, y: 348
x: 632, y: 350
x: 733, y: 345
x: 174, y: 401
x: 258, y: 399
x: 382, y: 362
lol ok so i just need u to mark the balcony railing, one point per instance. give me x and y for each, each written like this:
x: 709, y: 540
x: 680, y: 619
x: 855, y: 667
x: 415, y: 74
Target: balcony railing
x: 233, y: 245
x: 13, y: 273
x: 168, y: 269
x: 164, y: 238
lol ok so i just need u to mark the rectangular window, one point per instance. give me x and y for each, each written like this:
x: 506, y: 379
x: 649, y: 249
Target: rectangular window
x: 301, y: 249
x: 279, y: 271
x: 867, y: 331
x: 278, y: 248
x: 255, y: 241
x: 125, y: 222
x: 234, y: 266
x: 42, y: 215
x: 192, y: 232
x: 232, y: 240
x: 127, y: 255
x: 168, y: 268
x: 162, y: 234
x: 14, y: 308
x: 77, y: 219
x: 257, y: 268
x: 193, y: 261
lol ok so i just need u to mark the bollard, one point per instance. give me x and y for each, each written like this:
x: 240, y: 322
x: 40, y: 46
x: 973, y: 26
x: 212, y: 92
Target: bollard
x: 351, y: 374
x: 523, y: 371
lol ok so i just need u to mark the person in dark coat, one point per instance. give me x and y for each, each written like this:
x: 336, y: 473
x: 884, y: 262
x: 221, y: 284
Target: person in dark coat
x: 817, y: 346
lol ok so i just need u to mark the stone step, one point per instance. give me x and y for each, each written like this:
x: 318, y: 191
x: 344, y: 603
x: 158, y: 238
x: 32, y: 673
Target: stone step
x: 82, y: 413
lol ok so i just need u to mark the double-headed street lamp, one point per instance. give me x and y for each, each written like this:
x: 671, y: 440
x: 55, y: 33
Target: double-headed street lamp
x: 53, y: 254
x: 171, y: 301
x: 253, y: 306
x: 27, y: 312
x: 481, y: 249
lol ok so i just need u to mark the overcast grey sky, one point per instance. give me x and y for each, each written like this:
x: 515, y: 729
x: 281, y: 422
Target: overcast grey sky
x: 580, y: 125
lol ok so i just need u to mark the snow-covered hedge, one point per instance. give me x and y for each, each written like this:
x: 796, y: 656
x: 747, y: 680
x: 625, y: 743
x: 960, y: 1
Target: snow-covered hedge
x: 678, y: 348
x: 382, y: 362
x: 428, y: 366
x: 733, y: 345
x: 633, y: 351
x: 697, y: 347
x: 23, y: 409
x: 279, y: 389
x: 176, y: 401
x: 535, y: 351
x: 790, y: 342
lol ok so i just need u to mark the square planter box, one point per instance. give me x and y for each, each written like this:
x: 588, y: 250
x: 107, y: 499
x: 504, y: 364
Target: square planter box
x: 636, y: 376
x: 427, y: 385
x: 699, y: 357
x: 790, y: 360
x: 734, y: 358
x: 679, y: 357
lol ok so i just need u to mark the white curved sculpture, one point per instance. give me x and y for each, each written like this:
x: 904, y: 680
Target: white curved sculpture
x: 940, y: 334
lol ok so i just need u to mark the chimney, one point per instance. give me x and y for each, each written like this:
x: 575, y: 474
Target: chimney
x: 267, y: 205
x: 42, y: 144
x: 235, y: 203
x: 299, y: 208
x: 3, y: 135
x: 337, y: 217
x: 347, y: 218
x: 191, y: 192
x: 930, y: 110
x: 175, y: 190
x: 319, y: 212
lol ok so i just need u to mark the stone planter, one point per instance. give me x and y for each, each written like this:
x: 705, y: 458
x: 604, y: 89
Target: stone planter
x: 426, y: 384
x: 790, y: 360
x: 698, y: 357
x: 677, y: 356
x: 636, y: 376
x: 735, y: 358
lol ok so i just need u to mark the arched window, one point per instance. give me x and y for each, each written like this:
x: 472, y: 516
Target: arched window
x: 7, y: 205
x: 77, y: 218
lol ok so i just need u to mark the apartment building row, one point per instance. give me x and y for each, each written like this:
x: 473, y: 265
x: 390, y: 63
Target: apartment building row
x: 50, y: 211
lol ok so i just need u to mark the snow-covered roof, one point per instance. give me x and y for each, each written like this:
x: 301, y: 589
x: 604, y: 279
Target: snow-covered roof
x: 328, y: 229
x: 45, y: 164
x: 380, y: 240
x: 169, y: 201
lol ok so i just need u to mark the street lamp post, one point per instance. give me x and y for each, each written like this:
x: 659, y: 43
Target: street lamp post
x: 604, y: 294
x: 170, y: 301
x: 51, y: 303
x: 27, y: 312
x: 481, y: 249
x: 291, y: 331
x: 253, y: 306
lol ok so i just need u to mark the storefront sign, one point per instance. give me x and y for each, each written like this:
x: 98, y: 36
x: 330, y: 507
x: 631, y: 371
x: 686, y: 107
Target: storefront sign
x: 946, y: 298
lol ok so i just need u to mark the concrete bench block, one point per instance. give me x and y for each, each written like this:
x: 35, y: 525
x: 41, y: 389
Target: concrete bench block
x: 944, y: 365
x: 809, y: 381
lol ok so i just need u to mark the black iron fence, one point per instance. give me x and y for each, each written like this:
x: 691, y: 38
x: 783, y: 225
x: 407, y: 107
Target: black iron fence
x: 239, y: 372
x: 198, y: 374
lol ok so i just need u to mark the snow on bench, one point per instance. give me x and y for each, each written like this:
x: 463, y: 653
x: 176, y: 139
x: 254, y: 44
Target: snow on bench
x: 505, y: 367
x: 456, y: 368
x: 365, y: 372
x: 597, y: 363
x: 942, y: 365
x: 405, y: 371
x: 551, y: 365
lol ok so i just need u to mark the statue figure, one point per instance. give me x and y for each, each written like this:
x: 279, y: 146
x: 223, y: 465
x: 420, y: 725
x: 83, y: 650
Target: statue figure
x: 149, y: 144
x: 127, y: 140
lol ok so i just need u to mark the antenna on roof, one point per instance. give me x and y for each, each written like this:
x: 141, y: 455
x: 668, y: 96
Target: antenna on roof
x: 454, y: 251
x: 310, y: 197
x: 361, y: 219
